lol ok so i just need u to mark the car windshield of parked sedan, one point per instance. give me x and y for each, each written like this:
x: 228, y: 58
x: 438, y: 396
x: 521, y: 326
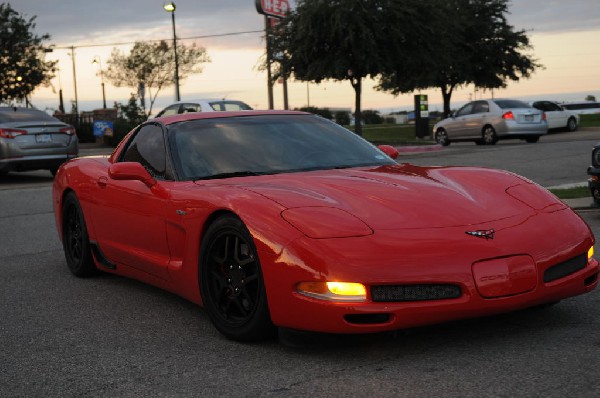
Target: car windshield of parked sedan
x: 508, y: 104
x: 266, y: 144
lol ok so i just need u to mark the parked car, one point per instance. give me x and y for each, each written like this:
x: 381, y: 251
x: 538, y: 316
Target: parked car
x: 487, y: 121
x: 556, y: 116
x: 31, y: 139
x: 594, y: 172
x: 204, y: 105
x: 262, y: 218
x: 583, y: 108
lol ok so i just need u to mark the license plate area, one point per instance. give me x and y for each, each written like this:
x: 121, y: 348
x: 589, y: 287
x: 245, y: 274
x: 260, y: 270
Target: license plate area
x: 43, y: 138
x: 529, y: 118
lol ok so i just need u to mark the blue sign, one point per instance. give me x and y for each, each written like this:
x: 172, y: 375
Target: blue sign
x: 103, y: 129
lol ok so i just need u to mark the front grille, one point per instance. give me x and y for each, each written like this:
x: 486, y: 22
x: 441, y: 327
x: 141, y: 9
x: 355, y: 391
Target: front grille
x: 565, y: 268
x: 390, y: 293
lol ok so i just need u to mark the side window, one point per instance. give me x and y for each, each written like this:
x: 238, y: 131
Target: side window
x: 552, y: 107
x: 169, y: 111
x: 148, y: 149
x: 187, y: 108
x: 465, y: 110
x: 481, y: 107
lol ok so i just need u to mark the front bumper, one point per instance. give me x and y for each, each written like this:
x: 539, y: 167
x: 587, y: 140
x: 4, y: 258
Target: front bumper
x: 426, y: 257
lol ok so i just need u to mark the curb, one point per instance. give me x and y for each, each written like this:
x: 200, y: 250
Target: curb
x: 418, y: 148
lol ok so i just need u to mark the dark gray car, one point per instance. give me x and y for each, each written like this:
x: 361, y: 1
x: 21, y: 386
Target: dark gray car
x: 32, y: 140
x: 487, y: 121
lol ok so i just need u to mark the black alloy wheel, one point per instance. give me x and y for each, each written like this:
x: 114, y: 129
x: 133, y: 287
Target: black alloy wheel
x: 231, y: 282
x: 75, y: 238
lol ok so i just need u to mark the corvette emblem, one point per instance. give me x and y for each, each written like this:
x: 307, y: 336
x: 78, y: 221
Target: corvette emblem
x: 482, y: 233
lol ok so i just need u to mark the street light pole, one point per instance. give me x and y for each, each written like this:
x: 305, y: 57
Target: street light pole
x: 99, y: 62
x: 170, y: 7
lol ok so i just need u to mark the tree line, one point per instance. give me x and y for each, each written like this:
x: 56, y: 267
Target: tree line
x: 406, y: 45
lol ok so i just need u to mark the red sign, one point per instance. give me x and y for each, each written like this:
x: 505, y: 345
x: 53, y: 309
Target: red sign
x: 273, y: 8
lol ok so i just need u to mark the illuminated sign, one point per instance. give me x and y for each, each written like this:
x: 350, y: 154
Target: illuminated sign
x: 273, y: 8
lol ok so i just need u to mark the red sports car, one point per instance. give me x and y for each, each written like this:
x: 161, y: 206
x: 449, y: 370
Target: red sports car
x: 286, y: 219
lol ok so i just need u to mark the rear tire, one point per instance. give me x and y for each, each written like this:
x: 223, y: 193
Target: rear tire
x: 231, y: 282
x: 488, y: 136
x: 572, y: 124
x: 75, y: 239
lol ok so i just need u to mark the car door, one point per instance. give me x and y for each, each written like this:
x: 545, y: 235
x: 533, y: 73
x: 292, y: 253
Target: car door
x: 477, y: 119
x: 130, y: 222
x: 555, y: 115
x: 457, y: 126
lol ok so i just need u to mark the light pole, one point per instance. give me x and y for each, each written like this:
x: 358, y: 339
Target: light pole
x: 99, y: 62
x: 170, y: 7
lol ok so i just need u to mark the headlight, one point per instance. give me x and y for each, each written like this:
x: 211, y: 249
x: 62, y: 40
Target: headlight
x: 596, y: 157
x: 334, y: 291
x: 326, y: 222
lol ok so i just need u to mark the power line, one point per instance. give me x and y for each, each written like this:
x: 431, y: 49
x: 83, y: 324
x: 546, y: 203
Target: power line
x: 133, y: 42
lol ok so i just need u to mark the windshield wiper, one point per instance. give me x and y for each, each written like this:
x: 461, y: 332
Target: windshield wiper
x: 230, y: 175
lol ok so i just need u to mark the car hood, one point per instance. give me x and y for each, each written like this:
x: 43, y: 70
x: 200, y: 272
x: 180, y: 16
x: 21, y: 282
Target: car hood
x: 402, y: 196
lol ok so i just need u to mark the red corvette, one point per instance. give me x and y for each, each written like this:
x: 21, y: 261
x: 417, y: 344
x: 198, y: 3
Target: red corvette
x: 286, y: 219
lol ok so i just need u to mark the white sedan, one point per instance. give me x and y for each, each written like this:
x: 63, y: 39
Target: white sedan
x: 204, y: 105
x: 557, y: 116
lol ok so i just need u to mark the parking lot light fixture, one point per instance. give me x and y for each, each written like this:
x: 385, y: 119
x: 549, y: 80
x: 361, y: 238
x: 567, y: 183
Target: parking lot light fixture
x: 170, y: 7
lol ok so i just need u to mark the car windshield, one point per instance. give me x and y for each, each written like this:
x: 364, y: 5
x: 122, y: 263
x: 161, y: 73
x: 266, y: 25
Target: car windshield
x: 507, y: 104
x: 266, y: 144
x: 10, y: 114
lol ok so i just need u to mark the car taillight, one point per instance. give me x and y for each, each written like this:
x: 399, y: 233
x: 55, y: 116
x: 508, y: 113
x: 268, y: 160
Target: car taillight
x: 544, y: 116
x: 68, y: 130
x: 508, y: 115
x: 11, y: 133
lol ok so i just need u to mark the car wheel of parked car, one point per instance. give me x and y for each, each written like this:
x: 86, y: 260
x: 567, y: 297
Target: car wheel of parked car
x: 532, y: 140
x: 441, y: 137
x: 231, y: 282
x: 596, y: 196
x: 75, y: 238
x: 488, y: 136
x: 572, y: 124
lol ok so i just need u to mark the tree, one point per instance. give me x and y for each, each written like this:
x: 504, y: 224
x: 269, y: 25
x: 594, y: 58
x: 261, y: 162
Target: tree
x: 22, y: 67
x: 590, y: 97
x: 474, y: 45
x: 152, y: 67
x: 342, y: 40
x: 371, y: 116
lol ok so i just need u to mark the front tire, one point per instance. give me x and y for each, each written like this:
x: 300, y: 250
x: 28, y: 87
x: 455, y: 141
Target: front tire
x: 231, y: 282
x: 441, y: 137
x: 75, y: 239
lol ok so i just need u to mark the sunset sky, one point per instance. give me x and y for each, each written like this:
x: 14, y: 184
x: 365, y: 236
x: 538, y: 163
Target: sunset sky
x: 564, y: 35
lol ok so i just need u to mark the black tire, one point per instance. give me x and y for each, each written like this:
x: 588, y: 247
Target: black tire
x: 532, y: 140
x: 596, y: 195
x: 441, y: 137
x: 488, y: 136
x: 75, y: 239
x: 231, y: 282
x: 572, y: 124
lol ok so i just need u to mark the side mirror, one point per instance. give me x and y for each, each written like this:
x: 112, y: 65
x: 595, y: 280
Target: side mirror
x: 131, y: 171
x: 389, y: 150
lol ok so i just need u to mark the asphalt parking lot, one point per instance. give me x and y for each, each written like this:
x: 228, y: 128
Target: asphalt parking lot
x: 110, y: 336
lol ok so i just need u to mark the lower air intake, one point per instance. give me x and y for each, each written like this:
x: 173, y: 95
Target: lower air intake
x: 565, y: 268
x: 391, y: 293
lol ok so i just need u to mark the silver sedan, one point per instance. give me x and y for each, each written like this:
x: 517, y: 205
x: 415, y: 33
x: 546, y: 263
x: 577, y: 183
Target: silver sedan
x: 487, y: 121
x: 31, y: 139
